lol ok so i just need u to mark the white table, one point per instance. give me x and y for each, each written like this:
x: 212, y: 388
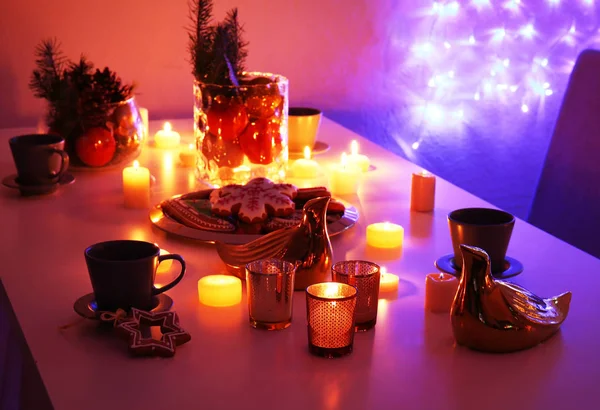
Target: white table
x: 408, y: 361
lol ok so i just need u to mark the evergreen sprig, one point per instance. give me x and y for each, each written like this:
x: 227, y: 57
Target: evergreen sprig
x: 79, y: 96
x: 217, y: 51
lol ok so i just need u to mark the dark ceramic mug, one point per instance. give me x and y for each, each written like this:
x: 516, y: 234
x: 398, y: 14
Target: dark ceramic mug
x: 40, y: 159
x: 122, y: 273
x: 485, y: 228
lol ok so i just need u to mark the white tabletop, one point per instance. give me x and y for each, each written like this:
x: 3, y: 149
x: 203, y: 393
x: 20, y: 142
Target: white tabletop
x: 408, y: 361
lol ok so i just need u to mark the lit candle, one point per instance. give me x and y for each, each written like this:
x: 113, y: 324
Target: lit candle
x: 422, y: 193
x: 440, y: 289
x: 136, y: 186
x: 344, y: 180
x: 388, y: 281
x: 167, y: 138
x: 220, y: 290
x: 305, y: 168
x: 187, y: 156
x: 165, y: 265
x: 385, y: 235
x: 144, y: 116
x: 356, y: 160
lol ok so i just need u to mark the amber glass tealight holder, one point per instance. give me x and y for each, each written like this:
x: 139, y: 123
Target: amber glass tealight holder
x: 330, y: 311
x: 365, y: 276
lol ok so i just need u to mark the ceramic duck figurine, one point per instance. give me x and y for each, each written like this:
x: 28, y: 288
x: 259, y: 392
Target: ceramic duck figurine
x: 495, y: 316
x: 307, y: 245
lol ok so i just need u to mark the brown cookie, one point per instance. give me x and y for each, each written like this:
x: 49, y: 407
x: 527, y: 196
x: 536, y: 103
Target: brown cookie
x: 335, y: 207
x: 276, y: 223
x: 189, y: 216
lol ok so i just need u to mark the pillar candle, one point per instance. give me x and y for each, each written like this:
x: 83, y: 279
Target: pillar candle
x: 188, y: 156
x: 136, y: 186
x: 356, y: 160
x: 388, y: 281
x: 422, y: 193
x: 167, y: 138
x: 440, y: 289
x: 220, y: 290
x: 385, y: 235
x: 344, y: 180
x: 144, y: 116
x: 305, y: 168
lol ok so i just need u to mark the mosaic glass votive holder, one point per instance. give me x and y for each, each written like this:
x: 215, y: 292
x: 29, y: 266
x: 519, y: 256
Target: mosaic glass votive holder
x: 270, y: 287
x: 365, y: 277
x: 330, y: 309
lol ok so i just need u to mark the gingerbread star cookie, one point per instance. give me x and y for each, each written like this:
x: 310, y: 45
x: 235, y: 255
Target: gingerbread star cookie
x: 141, y: 342
x: 254, y: 202
x: 183, y: 212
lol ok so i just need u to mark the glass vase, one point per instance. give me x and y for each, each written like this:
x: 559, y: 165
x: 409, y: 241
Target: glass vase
x: 104, y: 138
x: 241, y: 132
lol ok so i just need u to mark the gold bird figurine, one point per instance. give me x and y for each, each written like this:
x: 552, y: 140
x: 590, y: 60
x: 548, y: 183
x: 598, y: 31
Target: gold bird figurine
x: 500, y: 317
x: 307, y: 245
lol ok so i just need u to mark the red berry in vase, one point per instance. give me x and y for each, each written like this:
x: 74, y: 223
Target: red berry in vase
x: 258, y: 140
x: 96, y: 147
x: 227, y: 118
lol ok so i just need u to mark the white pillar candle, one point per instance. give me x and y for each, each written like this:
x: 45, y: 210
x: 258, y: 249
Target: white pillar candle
x: 422, y: 193
x: 356, y: 160
x: 220, y: 290
x: 188, y: 155
x: 385, y: 235
x: 136, y: 186
x: 440, y: 289
x: 305, y: 168
x: 344, y: 180
x: 167, y: 138
x: 144, y: 116
x: 388, y: 281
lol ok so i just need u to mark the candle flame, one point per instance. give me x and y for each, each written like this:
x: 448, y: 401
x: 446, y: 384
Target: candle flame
x: 331, y: 290
x: 425, y: 173
x: 306, y: 152
x: 354, y: 147
x: 136, y: 164
x: 383, y: 270
x: 344, y: 160
x: 441, y: 275
x: 167, y: 127
x: 191, y: 146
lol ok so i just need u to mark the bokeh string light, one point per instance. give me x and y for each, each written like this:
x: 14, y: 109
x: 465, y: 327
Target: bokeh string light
x: 508, y: 55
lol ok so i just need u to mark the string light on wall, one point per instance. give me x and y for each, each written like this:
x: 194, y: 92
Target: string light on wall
x: 506, y: 54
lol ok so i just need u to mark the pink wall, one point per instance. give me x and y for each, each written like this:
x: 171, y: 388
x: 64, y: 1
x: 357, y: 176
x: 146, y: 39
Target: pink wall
x: 318, y: 44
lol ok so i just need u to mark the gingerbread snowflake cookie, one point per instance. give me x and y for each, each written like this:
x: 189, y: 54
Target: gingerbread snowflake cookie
x: 141, y: 342
x: 254, y: 202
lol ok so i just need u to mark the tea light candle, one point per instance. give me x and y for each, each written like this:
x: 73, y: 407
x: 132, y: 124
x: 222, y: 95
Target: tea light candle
x: 344, y: 180
x: 136, y: 186
x: 388, y: 281
x: 440, y: 289
x: 220, y: 290
x: 422, y: 193
x: 385, y: 235
x: 188, y: 156
x: 305, y: 168
x: 356, y: 160
x: 330, y: 318
x: 167, y: 138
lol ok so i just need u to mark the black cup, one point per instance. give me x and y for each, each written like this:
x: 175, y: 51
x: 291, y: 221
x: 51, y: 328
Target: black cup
x: 122, y: 273
x: 40, y: 159
x: 485, y: 228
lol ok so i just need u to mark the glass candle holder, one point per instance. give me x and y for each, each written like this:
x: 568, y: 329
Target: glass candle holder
x: 330, y: 309
x: 365, y: 277
x: 270, y: 287
x: 241, y: 131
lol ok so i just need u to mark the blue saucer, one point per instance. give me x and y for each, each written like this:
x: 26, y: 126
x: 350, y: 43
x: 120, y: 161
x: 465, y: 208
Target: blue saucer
x: 512, y: 267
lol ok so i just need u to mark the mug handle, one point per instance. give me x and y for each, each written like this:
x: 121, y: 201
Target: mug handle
x: 178, y: 258
x: 64, y: 164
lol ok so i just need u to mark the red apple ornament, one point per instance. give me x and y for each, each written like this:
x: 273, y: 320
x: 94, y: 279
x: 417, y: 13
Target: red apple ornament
x: 227, y: 118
